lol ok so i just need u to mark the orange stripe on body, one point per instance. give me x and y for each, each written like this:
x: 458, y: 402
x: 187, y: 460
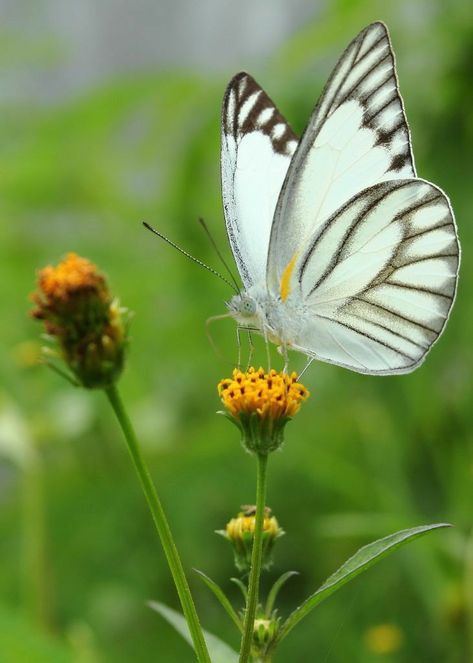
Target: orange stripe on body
x: 284, y: 288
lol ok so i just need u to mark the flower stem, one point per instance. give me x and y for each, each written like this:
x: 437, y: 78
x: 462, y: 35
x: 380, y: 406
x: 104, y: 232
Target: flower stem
x: 162, y: 526
x: 256, y: 559
x: 36, y: 588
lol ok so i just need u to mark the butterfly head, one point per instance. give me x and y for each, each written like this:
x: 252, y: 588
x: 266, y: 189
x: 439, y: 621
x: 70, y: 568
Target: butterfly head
x: 243, y: 305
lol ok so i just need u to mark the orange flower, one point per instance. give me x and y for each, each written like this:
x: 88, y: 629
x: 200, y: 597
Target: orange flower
x: 79, y: 312
x: 261, y: 404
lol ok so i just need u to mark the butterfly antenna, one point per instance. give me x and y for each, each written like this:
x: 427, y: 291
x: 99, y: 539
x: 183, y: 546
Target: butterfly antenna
x: 191, y: 257
x: 218, y: 252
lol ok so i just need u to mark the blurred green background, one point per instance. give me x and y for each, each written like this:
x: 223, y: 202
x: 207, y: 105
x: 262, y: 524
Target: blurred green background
x: 366, y: 456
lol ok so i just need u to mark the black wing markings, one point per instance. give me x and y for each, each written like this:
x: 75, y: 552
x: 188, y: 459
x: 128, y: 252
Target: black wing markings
x: 243, y: 87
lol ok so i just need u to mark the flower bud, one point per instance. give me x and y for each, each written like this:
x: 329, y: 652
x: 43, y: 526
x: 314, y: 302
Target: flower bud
x: 240, y: 532
x: 264, y: 633
x: 260, y: 404
x: 80, y: 314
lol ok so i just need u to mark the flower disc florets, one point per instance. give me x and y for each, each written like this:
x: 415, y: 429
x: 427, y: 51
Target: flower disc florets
x: 261, y: 404
x: 80, y: 313
x: 240, y: 532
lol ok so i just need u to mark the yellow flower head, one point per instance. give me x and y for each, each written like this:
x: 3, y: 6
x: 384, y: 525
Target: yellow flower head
x: 245, y: 523
x: 79, y: 312
x: 261, y: 404
x: 384, y: 639
x: 240, y: 531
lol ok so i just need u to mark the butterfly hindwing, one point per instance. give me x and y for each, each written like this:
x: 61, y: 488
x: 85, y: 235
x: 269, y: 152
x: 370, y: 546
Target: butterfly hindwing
x: 357, y: 136
x: 257, y: 146
x: 378, y: 279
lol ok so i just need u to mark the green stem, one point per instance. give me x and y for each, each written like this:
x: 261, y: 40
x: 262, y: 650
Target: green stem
x: 256, y: 559
x: 468, y: 588
x: 34, y: 543
x: 162, y: 526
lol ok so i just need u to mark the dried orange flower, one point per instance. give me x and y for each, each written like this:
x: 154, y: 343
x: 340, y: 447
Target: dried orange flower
x: 79, y: 312
x: 240, y: 532
x: 261, y: 404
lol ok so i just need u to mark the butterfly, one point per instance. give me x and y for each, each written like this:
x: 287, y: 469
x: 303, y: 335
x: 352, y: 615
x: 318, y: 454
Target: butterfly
x: 344, y: 253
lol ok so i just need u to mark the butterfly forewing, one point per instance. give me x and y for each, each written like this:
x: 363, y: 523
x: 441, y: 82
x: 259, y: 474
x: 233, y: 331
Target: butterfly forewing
x: 257, y: 147
x: 378, y: 279
x: 357, y: 136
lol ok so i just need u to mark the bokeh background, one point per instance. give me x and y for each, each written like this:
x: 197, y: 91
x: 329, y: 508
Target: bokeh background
x: 110, y: 116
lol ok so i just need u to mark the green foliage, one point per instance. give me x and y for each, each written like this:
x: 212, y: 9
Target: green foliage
x: 220, y: 652
x: 365, y: 457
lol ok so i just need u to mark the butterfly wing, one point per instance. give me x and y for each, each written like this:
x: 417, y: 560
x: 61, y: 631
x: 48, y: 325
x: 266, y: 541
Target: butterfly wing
x: 257, y: 146
x: 357, y: 136
x: 378, y: 279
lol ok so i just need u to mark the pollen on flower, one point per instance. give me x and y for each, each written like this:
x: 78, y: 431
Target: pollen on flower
x: 71, y: 275
x: 270, y: 395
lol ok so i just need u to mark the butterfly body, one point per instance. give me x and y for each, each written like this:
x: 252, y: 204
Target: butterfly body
x: 277, y: 321
x: 345, y: 254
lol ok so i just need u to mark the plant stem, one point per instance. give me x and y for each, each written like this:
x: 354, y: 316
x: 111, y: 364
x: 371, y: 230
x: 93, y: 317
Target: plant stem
x: 468, y: 589
x: 34, y: 543
x: 256, y: 559
x: 162, y: 526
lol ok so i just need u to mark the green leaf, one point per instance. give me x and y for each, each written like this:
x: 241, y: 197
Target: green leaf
x: 212, y: 585
x: 359, y: 562
x: 275, y: 590
x: 219, y: 651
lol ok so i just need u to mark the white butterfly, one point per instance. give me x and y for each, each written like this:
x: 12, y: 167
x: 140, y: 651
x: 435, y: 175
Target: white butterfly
x: 344, y: 253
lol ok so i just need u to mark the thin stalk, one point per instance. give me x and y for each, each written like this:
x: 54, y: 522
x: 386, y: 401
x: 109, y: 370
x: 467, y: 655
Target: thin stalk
x: 162, y: 526
x: 468, y: 589
x: 35, y: 581
x: 256, y: 559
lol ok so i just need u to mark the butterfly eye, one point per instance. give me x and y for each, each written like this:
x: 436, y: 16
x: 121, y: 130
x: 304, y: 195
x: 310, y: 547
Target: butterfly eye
x: 247, y: 306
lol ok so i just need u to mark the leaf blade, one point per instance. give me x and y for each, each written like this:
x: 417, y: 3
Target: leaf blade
x: 219, y: 651
x: 358, y: 563
x: 224, y: 602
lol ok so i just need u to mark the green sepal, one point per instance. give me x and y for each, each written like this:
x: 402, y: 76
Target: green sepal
x: 274, y: 591
x: 222, y: 598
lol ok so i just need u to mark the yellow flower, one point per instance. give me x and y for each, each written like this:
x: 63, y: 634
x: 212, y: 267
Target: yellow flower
x: 384, y: 639
x: 240, y: 532
x: 79, y: 312
x: 261, y: 404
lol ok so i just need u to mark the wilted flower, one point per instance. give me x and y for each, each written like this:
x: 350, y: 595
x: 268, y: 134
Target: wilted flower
x: 240, y: 532
x: 261, y: 404
x: 79, y: 312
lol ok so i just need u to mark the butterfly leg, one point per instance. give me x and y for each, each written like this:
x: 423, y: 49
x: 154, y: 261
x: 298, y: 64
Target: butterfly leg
x: 251, y: 349
x: 239, y: 347
x: 309, y: 362
x: 266, y: 343
x: 209, y: 335
x: 282, y: 349
x: 250, y: 343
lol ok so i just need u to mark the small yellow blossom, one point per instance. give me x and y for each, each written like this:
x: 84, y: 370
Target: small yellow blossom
x: 272, y: 394
x: 384, y: 639
x: 240, y: 532
x: 79, y: 312
x: 260, y: 404
x: 245, y: 522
